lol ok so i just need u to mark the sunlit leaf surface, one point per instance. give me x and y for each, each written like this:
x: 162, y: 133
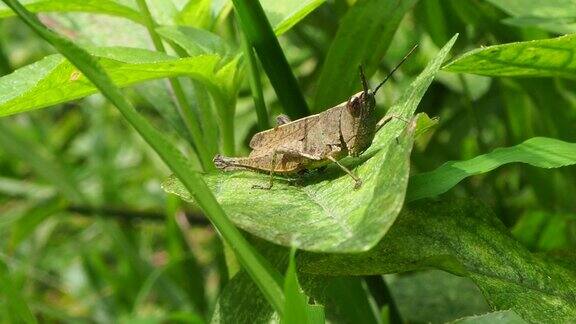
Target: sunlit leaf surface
x: 54, y: 80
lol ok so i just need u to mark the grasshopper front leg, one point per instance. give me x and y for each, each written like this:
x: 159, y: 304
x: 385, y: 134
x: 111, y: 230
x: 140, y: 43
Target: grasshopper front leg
x: 358, y: 183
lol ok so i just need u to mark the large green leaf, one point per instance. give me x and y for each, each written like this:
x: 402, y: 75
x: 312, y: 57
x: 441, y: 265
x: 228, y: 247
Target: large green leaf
x: 465, y: 238
x: 362, y: 38
x: 324, y: 213
x: 553, y: 15
x: 539, y: 58
x: 54, y: 80
x: 93, y: 6
x: 538, y: 151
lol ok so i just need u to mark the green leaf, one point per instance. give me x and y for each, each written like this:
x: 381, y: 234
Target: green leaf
x: 554, y: 15
x: 196, y: 13
x: 54, y: 80
x: 297, y: 310
x: 283, y: 15
x: 465, y: 238
x: 193, y: 40
x: 539, y: 58
x: 363, y: 37
x: 108, y: 7
x: 325, y: 214
x: 435, y: 296
x: 503, y: 317
x: 538, y: 151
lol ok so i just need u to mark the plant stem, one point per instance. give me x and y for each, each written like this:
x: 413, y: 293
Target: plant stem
x: 255, y: 85
x: 264, y: 275
x: 184, y: 110
x: 260, y: 35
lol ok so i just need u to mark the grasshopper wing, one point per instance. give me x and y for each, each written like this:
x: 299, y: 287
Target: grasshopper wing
x: 291, y: 132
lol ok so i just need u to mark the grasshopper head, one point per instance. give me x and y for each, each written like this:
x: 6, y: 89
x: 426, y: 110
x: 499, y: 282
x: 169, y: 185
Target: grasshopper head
x: 358, y: 122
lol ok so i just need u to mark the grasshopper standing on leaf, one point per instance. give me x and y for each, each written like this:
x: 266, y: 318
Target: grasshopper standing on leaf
x: 314, y: 141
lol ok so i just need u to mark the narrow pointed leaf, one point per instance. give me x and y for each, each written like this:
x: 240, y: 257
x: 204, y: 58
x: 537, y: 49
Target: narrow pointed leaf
x: 539, y: 58
x: 538, y: 151
x: 325, y: 213
x: 108, y: 7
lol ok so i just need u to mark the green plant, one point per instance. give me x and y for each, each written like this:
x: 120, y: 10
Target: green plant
x: 90, y: 236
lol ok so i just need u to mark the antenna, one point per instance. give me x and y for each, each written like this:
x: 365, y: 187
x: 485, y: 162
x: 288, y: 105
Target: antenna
x: 365, y: 85
x: 396, y: 68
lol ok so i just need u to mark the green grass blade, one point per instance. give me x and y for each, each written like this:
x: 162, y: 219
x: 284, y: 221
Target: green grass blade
x: 538, y: 151
x: 260, y: 35
x: 465, y: 238
x: 256, y: 86
x: 263, y: 274
x: 539, y: 58
x: 324, y: 213
x: 18, y: 308
x: 108, y: 7
x: 363, y: 37
x: 297, y: 310
x: 339, y: 299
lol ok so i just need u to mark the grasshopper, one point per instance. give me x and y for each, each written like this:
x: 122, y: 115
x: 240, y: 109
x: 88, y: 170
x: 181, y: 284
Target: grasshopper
x: 293, y: 147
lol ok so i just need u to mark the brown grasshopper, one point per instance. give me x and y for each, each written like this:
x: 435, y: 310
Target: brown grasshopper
x: 314, y: 141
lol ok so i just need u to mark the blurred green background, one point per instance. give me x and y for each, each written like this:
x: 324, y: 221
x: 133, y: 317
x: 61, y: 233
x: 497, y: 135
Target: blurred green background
x: 87, y: 234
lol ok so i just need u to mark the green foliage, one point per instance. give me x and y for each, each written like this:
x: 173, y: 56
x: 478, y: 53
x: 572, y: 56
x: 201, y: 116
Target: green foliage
x: 554, y: 15
x: 54, y: 80
x: 464, y: 238
x: 89, y: 235
x: 93, y: 6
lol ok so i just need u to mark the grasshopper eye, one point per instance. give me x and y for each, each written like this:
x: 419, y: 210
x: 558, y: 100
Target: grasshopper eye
x: 354, y: 105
